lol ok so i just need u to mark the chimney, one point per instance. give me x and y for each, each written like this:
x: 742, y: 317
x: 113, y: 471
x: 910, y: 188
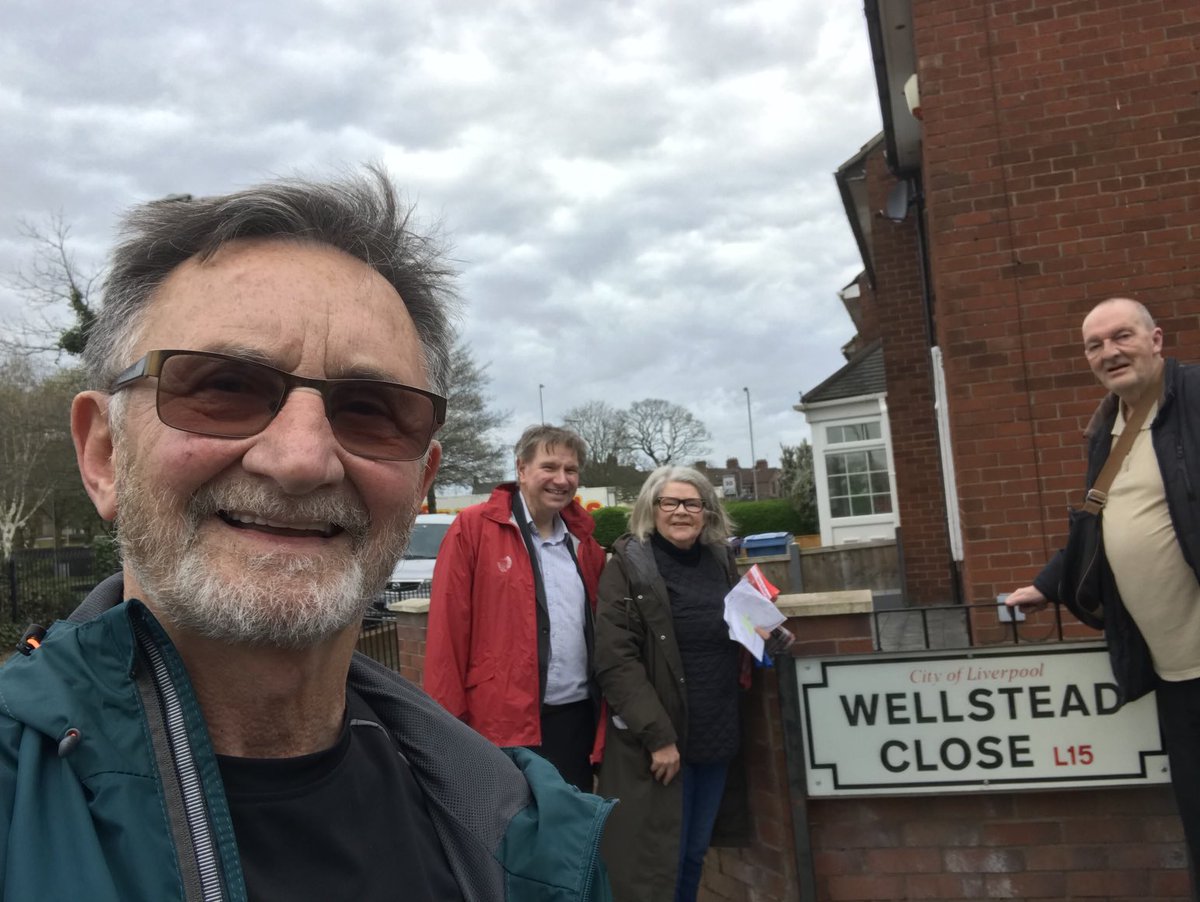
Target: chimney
x: 731, y: 463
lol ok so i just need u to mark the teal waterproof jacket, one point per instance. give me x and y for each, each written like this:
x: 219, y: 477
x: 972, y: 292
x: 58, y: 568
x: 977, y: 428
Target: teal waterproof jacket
x: 110, y: 791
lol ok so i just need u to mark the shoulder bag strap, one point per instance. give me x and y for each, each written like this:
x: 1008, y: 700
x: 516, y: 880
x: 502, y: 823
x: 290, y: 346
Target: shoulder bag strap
x: 1098, y: 493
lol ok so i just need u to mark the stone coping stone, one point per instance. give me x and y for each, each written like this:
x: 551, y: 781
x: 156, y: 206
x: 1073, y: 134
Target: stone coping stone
x: 825, y: 604
x: 746, y: 560
x: 797, y: 604
x: 409, y: 606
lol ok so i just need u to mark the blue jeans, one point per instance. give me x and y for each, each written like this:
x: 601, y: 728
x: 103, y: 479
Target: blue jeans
x: 703, y: 786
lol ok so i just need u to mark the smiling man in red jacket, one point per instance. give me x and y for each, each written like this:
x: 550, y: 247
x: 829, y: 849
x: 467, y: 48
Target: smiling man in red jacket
x: 509, y: 643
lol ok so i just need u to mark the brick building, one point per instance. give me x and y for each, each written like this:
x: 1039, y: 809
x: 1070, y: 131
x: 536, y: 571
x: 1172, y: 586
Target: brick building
x: 1055, y: 163
x: 735, y: 481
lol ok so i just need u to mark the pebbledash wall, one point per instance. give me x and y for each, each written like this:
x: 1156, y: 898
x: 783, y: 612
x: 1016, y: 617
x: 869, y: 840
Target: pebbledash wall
x: 1103, y: 843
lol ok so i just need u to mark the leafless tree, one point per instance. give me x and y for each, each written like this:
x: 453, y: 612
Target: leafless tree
x: 666, y: 433
x: 52, y: 283
x: 603, y: 427
x: 35, y: 419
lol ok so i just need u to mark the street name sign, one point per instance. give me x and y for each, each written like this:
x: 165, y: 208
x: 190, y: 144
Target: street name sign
x: 978, y: 719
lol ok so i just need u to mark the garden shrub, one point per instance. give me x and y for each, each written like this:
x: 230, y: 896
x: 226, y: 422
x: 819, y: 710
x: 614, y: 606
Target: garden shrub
x: 611, y: 524
x: 770, y: 515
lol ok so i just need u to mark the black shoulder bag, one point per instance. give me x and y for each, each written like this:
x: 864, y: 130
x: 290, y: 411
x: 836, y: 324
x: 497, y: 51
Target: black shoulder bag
x: 1080, y: 586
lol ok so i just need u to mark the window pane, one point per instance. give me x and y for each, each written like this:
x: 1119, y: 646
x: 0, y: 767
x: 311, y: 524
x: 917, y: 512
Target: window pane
x: 835, y: 464
x: 879, y: 484
x: 839, y: 507
x: 883, y: 504
x: 853, y: 432
x: 860, y: 506
x: 860, y: 484
x: 878, y: 459
x: 838, y: 486
x: 856, y: 462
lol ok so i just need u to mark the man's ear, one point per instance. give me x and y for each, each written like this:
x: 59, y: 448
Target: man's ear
x: 432, y: 459
x: 94, y: 450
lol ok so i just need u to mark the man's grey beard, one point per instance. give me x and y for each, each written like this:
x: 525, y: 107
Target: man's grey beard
x: 281, y: 599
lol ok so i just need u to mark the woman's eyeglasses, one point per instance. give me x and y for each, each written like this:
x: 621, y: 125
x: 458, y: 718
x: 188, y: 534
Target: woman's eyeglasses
x: 232, y: 397
x: 691, y: 505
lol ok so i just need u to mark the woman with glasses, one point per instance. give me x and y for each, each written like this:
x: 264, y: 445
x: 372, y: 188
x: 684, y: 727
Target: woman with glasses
x: 670, y: 675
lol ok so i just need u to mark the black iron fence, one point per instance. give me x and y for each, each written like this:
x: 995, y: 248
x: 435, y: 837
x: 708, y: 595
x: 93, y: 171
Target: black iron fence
x: 40, y: 585
x: 950, y: 626
x: 378, y: 638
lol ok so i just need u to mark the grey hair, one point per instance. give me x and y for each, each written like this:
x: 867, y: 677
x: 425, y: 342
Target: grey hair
x: 717, y: 525
x: 359, y: 214
x: 549, y: 437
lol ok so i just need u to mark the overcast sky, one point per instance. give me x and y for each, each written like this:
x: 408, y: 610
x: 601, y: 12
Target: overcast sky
x: 639, y: 194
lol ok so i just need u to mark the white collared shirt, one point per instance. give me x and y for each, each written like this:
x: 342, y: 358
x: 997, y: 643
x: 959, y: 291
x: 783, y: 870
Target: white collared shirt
x: 567, y: 671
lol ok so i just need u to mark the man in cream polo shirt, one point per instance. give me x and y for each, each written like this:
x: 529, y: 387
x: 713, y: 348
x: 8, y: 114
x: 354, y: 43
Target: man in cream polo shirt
x: 1151, y: 525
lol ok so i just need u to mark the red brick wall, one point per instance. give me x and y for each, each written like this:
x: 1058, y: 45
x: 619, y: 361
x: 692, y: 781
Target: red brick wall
x: 1123, y: 844
x: 1061, y: 161
x: 896, y: 307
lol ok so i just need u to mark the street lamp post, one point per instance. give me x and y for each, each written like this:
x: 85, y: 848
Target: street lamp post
x: 541, y: 405
x: 753, y: 459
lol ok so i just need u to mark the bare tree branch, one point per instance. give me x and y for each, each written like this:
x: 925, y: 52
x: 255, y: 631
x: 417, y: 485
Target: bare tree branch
x: 603, y: 427
x: 53, y: 284
x: 666, y: 433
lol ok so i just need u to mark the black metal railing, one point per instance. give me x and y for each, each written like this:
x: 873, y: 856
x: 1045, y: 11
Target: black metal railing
x: 378, y: 639
x: 41, y: 585
x: 953, y: 626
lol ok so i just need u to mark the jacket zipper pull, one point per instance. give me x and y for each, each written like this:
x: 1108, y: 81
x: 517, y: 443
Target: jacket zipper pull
x: 68, y: 743
x: 31, y: 639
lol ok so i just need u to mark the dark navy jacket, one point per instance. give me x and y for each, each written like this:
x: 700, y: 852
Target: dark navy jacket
x: 1175, y: 433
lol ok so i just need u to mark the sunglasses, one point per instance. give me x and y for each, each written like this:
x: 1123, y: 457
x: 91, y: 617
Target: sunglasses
x: 231, y: 397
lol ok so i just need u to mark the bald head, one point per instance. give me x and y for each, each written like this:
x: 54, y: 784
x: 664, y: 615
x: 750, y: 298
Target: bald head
x: 1136, y: 307
x: 1123, y: 347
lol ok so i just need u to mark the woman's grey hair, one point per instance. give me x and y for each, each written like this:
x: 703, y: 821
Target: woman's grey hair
x: 359, y: 214
x: 717, y: 525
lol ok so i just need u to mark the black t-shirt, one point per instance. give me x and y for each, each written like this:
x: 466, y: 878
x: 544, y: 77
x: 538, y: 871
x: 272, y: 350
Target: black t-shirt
x: 346, y: 823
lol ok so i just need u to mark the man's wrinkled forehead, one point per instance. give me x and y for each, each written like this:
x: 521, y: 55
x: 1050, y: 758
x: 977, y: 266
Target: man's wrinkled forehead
x: 270, y: 300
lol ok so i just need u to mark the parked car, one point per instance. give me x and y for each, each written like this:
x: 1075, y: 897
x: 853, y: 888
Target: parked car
x: 414, y: 572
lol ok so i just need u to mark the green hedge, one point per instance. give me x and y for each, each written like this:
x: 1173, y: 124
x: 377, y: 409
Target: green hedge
x: 772, y: 515
x: 611, y: 524
x: 749, y: 518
